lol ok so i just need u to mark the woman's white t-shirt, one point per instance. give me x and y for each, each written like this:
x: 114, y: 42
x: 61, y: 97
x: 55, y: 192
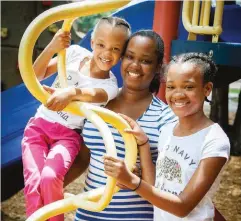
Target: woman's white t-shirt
x: 179, y: 157
x: 74, y: 55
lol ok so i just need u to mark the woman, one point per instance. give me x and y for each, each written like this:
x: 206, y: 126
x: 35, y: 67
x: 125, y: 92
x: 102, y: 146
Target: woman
x: 140, y: 70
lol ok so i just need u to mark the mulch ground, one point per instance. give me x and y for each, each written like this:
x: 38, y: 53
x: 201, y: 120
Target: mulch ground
x: 227, y: 199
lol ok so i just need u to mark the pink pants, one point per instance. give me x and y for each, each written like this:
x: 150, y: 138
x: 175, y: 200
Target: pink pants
x: 48, y: 151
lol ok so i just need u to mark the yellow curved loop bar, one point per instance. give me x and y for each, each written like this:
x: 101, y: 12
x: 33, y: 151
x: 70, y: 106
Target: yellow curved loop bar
x: 61, y: 57
x: 98, y: 199
x: 216, y: 29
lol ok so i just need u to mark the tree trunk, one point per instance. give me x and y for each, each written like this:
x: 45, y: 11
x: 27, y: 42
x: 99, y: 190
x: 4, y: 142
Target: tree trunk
x: 219, y: 108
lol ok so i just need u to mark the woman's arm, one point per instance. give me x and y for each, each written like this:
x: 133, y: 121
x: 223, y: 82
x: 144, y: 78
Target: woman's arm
x: 45, y: 65
x: 181, y: 205
x: 148, y: 170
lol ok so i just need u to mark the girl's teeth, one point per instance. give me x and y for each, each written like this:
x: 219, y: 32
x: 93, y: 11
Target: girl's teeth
x: 105, y: 60
x: 133, y: 74
x: 180, y: 104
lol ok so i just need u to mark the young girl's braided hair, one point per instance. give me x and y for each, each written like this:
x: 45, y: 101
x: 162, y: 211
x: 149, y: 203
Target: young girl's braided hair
x: 114, y: 22
x: 207, y: 66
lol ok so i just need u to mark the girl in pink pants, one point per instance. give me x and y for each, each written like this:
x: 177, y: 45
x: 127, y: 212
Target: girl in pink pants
x: 51, y: 139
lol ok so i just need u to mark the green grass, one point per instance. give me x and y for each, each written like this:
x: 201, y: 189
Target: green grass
x: 234, y: 90
x: 234, y: 99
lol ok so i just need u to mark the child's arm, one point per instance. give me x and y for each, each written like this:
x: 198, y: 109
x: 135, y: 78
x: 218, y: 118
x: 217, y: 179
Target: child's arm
x: 194, y: 192
x: 102, y: 92
x: 45, y: 65
x: 180, y: 205
x: 60, y: 98
x: 92, y: 95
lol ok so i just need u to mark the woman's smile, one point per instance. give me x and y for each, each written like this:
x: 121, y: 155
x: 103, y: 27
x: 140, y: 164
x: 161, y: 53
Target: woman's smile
x: 133, y: 74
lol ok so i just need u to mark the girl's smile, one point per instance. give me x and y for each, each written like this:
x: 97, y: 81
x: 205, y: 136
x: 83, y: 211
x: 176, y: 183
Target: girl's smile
x: 107, y: 44
x: 185, y: 90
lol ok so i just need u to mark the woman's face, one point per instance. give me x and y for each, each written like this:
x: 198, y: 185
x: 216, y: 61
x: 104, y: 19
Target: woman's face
x: 139, y: 64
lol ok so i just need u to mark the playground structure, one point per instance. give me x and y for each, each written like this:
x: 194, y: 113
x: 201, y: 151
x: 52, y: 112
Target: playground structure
x: 157, y: 16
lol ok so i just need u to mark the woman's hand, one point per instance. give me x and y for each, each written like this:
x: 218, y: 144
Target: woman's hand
x: 61, y: 40
x: 136, y: 130
x: 59, y: 98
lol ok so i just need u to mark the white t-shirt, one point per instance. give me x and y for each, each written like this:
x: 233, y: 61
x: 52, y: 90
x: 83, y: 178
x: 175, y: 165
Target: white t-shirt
x: 179, y: 157
x: 74, y: 55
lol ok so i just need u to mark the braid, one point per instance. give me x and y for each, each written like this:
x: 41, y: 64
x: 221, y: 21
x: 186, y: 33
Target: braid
x: 114, y: 22
x: 208, y: 67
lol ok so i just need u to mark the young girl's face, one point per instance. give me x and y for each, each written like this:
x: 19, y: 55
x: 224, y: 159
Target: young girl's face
x: 108, y: 44
x: 139, y: 63
x: 185, y: 90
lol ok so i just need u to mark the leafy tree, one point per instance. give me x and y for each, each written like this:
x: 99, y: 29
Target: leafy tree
x: 84, y: 24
